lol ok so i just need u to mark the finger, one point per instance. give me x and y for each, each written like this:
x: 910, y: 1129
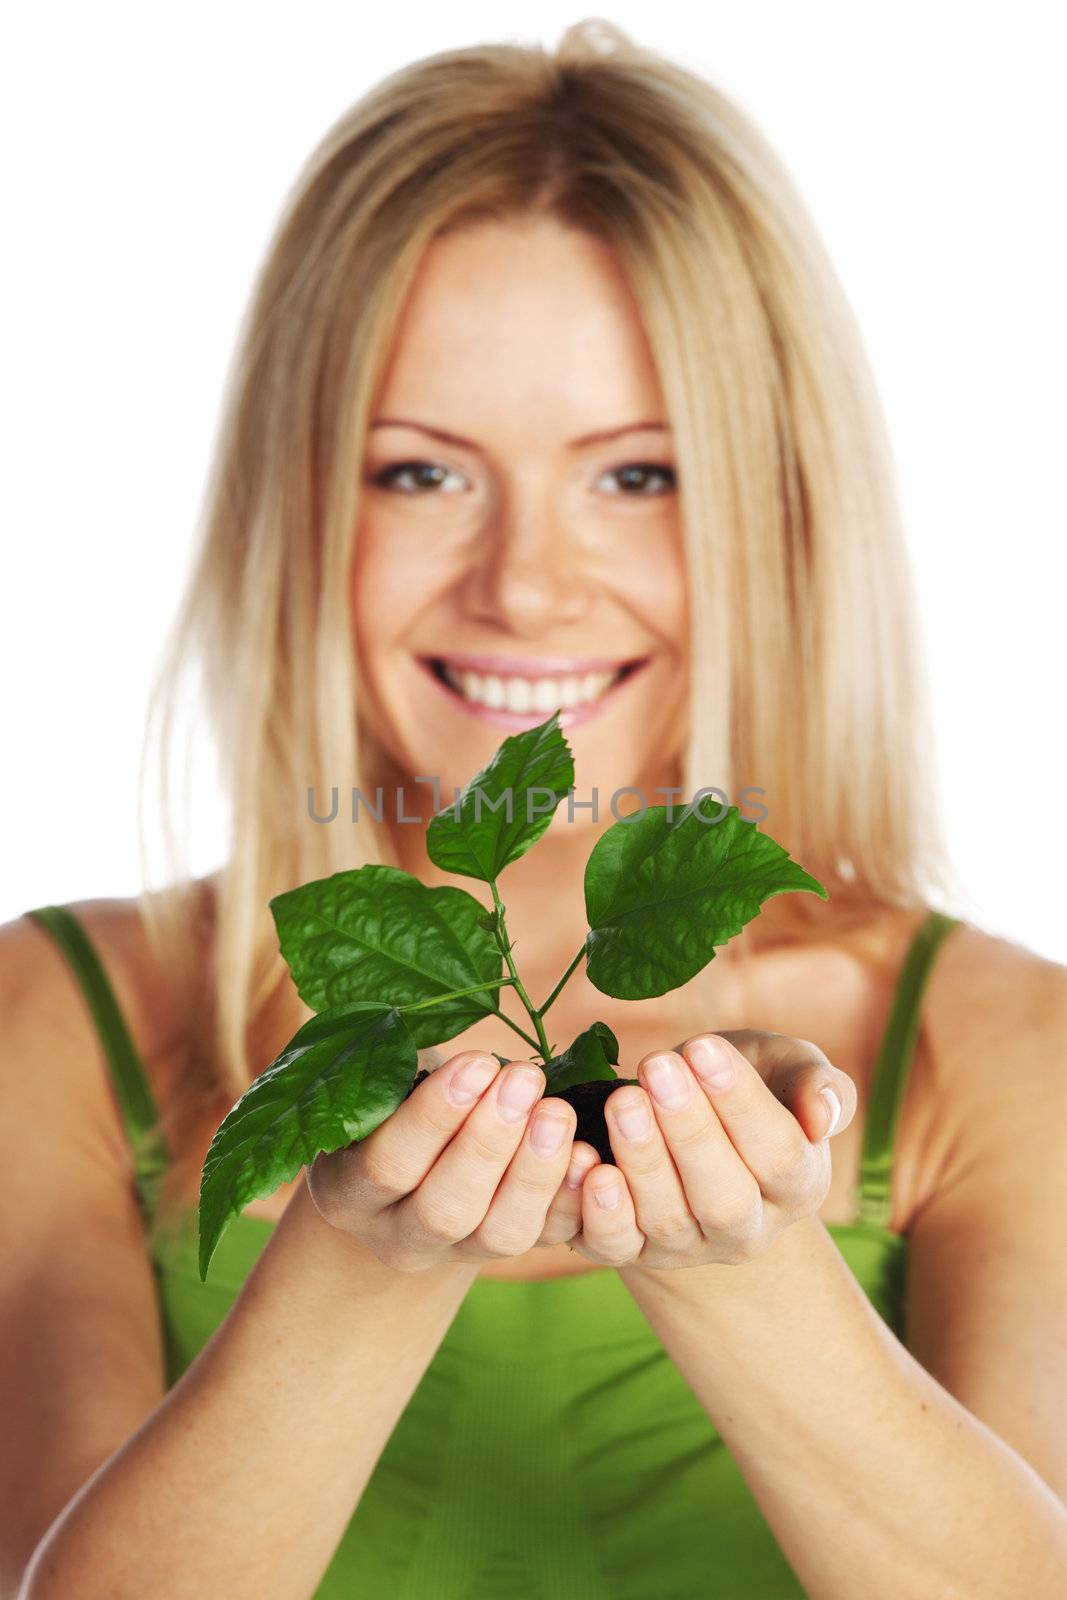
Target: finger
x: 719, y: 1192
x: 517, y: 1212
x: 564, y: 1217
x: 640, y: 1147
x: 787, y: 1167
x: 395, y: 1157
x: 456, y: 1193
x: 797, y: 1073
x: 821, y: 1097
x: 609, y: 1222
x: 816, y: 1104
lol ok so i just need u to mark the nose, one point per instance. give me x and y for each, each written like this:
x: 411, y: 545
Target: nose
x: 529, y: 573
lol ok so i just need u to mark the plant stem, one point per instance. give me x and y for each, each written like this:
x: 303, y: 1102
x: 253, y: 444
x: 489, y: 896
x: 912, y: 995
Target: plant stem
x: 454, y: 994
x: 504, y: 942
x: 542, y: 1009
x: 478, y: 988
x: 520, y: 1031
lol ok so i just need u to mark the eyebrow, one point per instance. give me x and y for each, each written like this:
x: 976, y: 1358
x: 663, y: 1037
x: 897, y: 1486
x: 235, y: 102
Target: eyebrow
x: 600, y: 437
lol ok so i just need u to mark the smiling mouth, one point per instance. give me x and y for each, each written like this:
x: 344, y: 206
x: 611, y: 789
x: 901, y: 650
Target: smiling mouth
x: 522, y: 693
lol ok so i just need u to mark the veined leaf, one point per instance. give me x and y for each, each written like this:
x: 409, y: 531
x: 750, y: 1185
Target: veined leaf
x: 378, y: 934
x: 529, y: 770
x: 589, y: 1058
x: 660, y: 895
x: 339, y: 1076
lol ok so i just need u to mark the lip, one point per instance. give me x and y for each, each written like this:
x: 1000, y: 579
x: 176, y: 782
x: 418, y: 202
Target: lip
x: 531, y: 666
x: 518, y: 721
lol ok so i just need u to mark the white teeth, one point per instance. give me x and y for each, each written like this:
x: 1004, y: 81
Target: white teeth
x: 518, y: 694
x: 529, y: 694
x: 544, y: 696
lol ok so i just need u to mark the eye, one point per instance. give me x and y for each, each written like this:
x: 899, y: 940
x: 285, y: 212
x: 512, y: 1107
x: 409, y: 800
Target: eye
x: 635, y: 477
x: 428, y: 476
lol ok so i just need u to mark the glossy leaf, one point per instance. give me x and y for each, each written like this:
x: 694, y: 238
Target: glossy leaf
x: 379, y: 934
x: 529, y: 768
x: 588, y: 1059
x: 339, y: 1076
x: 660, y: 895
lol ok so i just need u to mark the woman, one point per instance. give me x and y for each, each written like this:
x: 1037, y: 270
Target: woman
x: 546, y: 377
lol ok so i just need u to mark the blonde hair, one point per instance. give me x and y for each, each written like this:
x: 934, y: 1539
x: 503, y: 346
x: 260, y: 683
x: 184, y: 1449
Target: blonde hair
x: 805, y: 660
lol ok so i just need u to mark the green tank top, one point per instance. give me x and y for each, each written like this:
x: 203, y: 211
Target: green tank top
x: 552, y: 1450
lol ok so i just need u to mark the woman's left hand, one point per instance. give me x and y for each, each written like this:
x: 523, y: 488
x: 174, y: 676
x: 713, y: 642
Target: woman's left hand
x: 735, y: 1149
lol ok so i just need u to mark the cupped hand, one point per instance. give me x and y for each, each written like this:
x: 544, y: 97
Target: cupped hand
x: 735, y: 1149
x: 453, y: 1176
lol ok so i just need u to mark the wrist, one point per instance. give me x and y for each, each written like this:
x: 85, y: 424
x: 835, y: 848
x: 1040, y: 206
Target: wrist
x: 339, y: 1256
x: 793, y: 1251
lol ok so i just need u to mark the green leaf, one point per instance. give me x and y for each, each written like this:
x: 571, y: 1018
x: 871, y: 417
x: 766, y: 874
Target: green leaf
x: 378, y: 934
x: 529, y: 769
x: 339, y: 1076
x: 590, y: 1057
x: 660, y: 895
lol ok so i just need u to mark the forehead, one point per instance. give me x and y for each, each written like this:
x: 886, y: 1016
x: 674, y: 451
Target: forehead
x: 520, y: 320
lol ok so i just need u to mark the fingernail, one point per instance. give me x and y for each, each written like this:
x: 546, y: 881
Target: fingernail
x: 634, y: 1121
x: 830, y: 1096
x: 607, y: 1195
x: 575, y: 1173
x: 548, y: 1133
x: 470, y: 1080
x: 518, y: 1092
x: 668, y: 1081
x: 711, y: 1062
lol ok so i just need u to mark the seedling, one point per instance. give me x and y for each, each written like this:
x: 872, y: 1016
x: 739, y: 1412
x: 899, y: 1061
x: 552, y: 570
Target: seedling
x: 392, y: 966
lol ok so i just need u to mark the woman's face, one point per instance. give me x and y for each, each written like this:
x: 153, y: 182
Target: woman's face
x: 519, y: 541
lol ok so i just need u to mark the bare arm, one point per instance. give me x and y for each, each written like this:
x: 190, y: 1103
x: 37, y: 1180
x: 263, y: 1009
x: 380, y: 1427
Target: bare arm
x: 112, y: 1486
x: 276, y: 1426
x: 939, y: 1467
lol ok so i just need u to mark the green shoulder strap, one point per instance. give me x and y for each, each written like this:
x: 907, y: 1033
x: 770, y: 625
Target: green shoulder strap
x: 136, y: 1103
x: 891, y: 1070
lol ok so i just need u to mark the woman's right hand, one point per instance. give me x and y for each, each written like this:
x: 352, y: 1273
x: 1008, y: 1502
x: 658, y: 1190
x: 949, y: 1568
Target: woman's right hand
x: 449, y: 1176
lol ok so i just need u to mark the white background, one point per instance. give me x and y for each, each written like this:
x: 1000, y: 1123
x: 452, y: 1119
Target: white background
x: 146, y: 154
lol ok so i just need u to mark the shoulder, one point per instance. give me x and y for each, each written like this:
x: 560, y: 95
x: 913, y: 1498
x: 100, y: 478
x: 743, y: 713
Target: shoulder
x: 47, y: 1019
x: 991, y: 998
x: 995, y: 1024
x: 118, y: 931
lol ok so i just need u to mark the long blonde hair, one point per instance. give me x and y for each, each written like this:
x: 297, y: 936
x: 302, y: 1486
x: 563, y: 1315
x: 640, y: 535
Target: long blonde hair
x: 805, y: 661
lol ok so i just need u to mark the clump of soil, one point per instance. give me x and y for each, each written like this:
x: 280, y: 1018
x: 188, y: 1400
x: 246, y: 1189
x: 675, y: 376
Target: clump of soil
x: 588, y: 1101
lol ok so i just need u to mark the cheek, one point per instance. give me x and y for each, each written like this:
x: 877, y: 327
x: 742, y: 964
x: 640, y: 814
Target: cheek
x: 655, y: 585
x: 371, y: 596
x: 387, y: 589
